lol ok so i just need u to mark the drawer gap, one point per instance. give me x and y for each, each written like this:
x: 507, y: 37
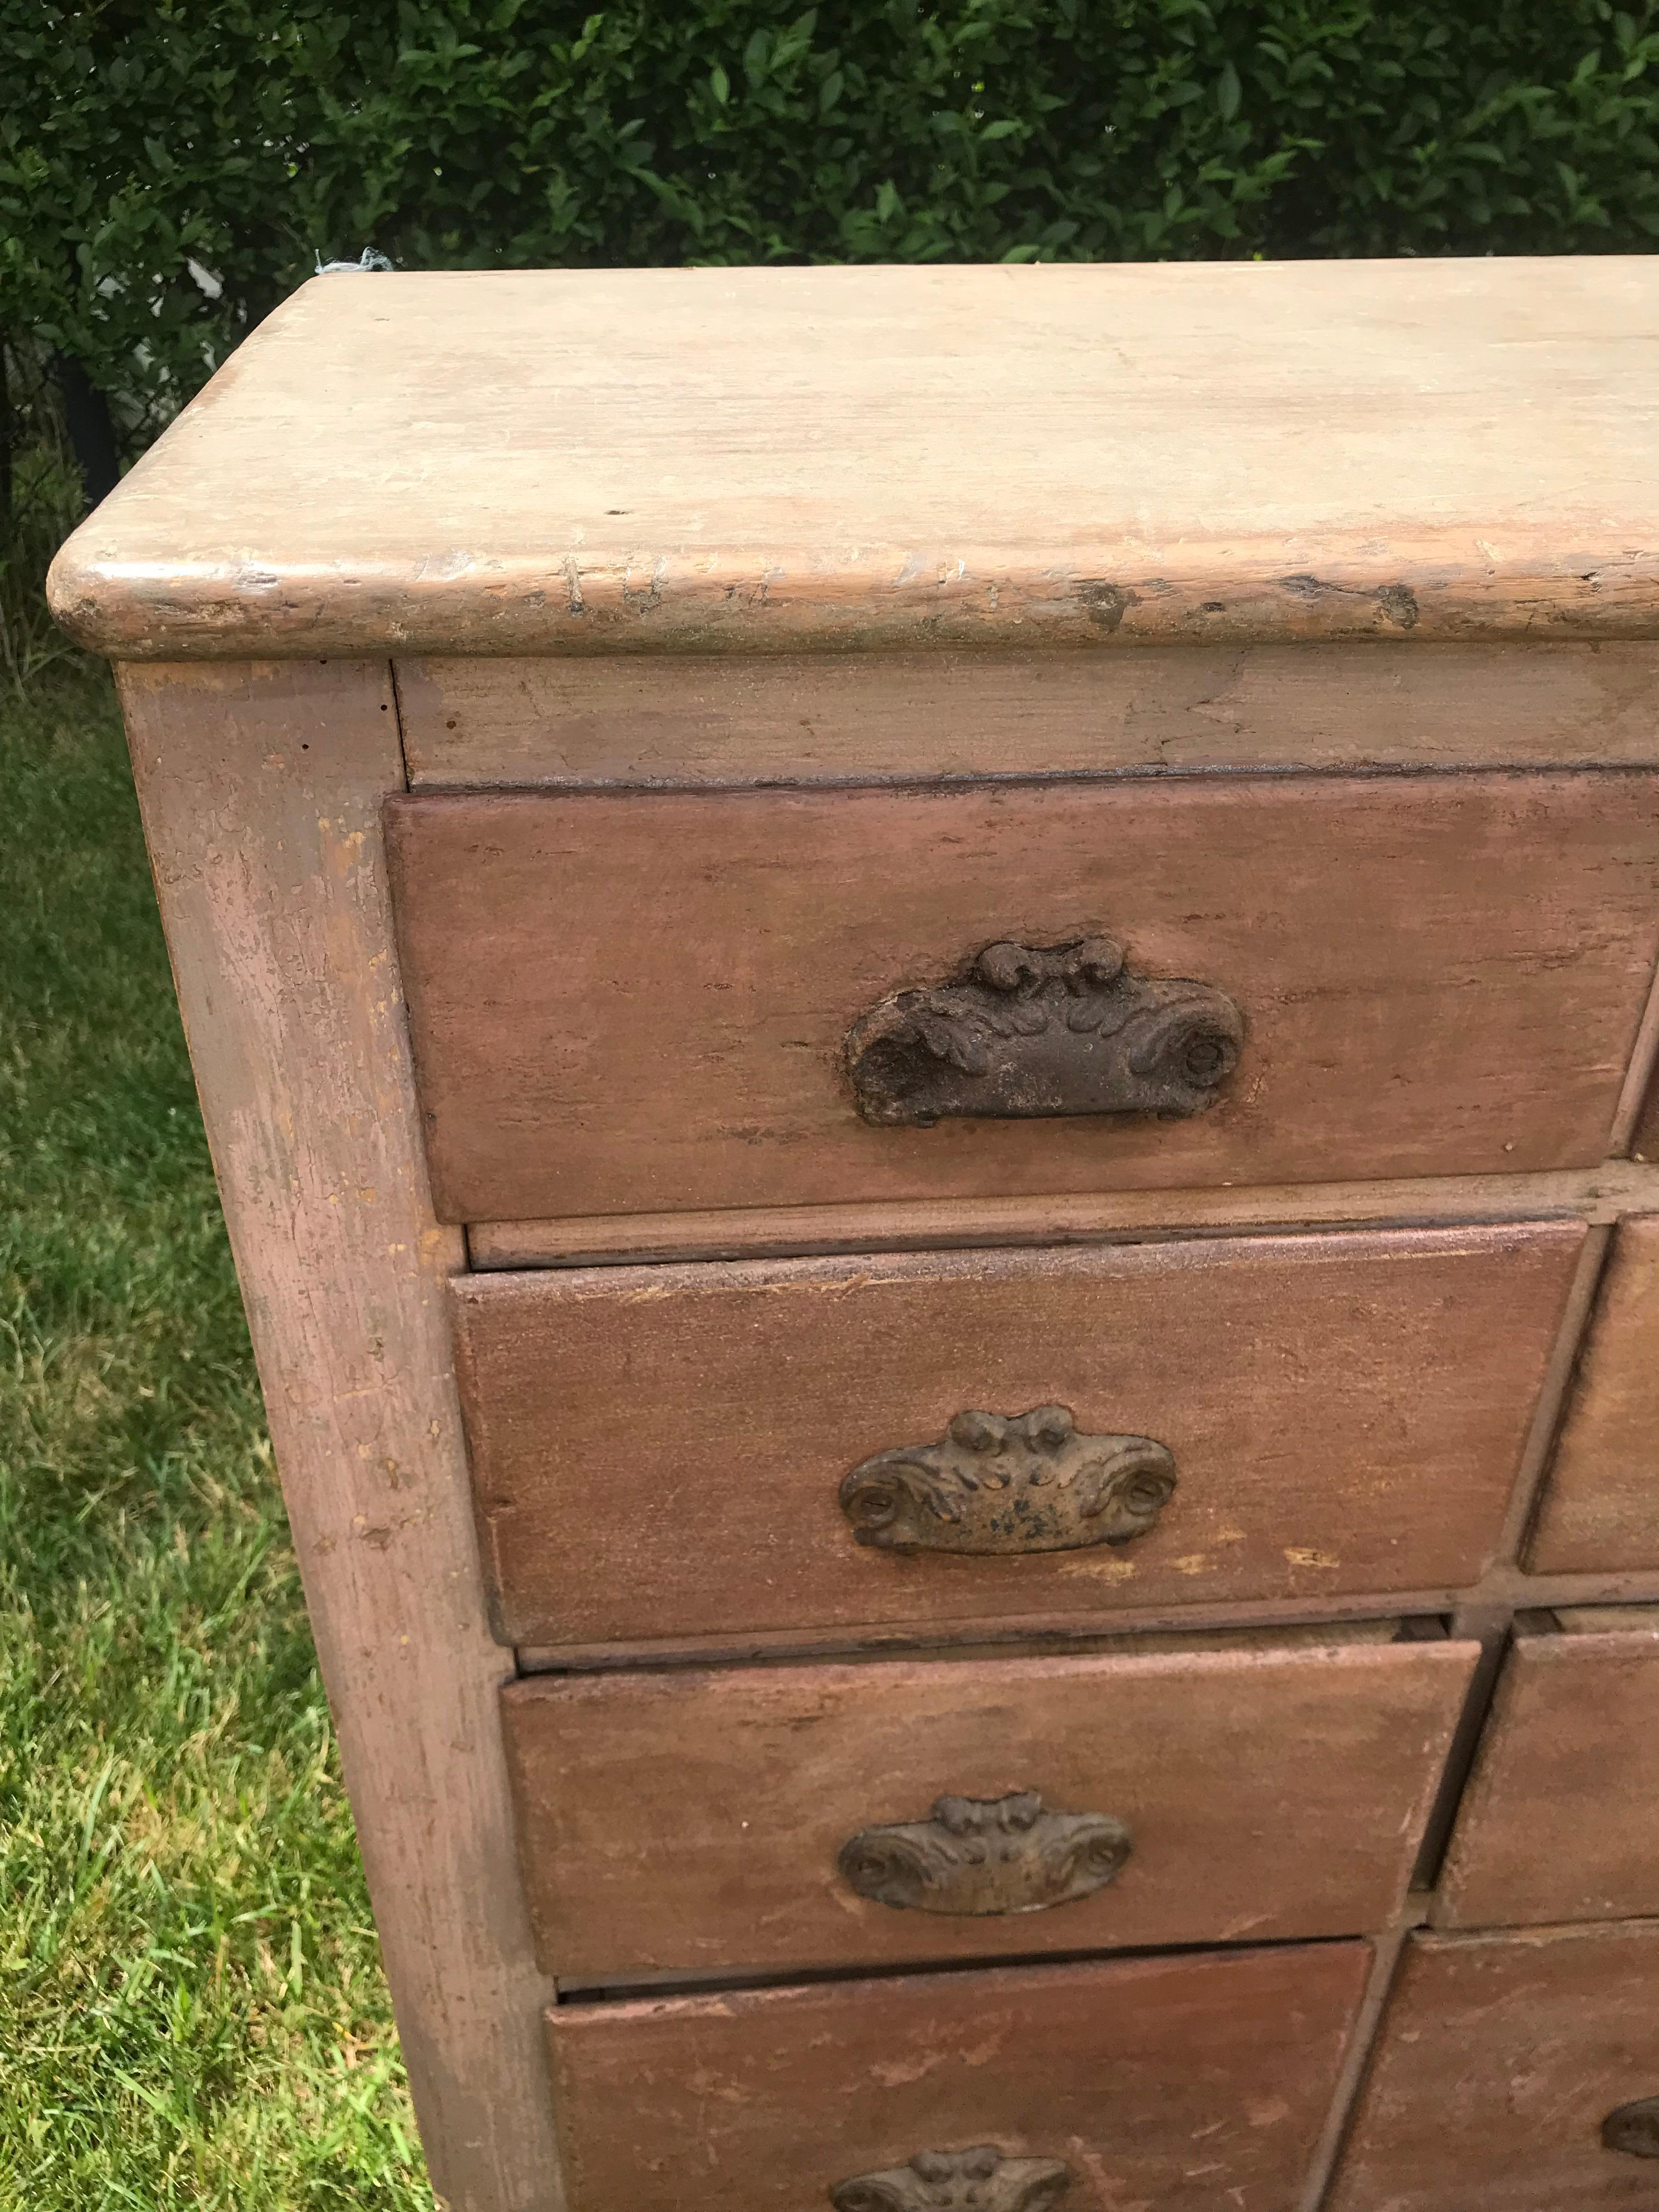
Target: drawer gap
x: 1171, y: 1216
x: 601, y: 1991
x: 1280, y: 1636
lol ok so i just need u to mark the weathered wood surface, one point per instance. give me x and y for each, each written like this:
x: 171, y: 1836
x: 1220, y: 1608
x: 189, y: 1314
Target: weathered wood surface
x: 1598, y: 1195
x: 1559, y: 1820
x: 690, y: 1820
x: 658, y: 1452
x: 261, y: 788
x: 1600, y: 1509
x: 1501, y: 2057
x: 1183, y: 2082
x: 640, y: 1001
x: 760, y: 459
x: 733, y: 718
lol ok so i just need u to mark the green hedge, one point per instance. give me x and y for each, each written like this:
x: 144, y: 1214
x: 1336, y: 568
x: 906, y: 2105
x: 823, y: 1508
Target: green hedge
x: 247, y: 135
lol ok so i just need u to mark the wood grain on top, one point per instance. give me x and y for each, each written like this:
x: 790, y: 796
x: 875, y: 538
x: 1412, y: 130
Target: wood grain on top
x: 602, y: 460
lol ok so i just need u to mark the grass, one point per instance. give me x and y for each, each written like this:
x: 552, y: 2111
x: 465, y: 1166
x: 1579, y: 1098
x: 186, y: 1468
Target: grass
x: 191, y: 2008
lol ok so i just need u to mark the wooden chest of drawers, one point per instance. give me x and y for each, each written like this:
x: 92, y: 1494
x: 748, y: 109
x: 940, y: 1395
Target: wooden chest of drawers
x: 926, y: 999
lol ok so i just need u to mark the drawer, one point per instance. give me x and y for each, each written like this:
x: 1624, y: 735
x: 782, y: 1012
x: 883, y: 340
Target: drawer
x: 1184, y: 2083
x: 1559, y: 1820
x: 1504, y: 2059
x: 793, y: 1817
x: 709, y: 1450
x: 1599, y: 1511
x: 653, y: 1001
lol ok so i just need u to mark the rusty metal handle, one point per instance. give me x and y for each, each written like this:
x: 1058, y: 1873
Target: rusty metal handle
x: 1009, y: 1483
x: 1633, y: 2128
x: 1032, y: 1032
x: 977, y: 1857
x: 979, y: 2180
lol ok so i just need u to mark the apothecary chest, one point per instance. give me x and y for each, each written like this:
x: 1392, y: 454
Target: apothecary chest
x: 925, y: 998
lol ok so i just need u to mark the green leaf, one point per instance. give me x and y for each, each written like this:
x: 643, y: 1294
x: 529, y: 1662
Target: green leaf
x: 476, y: 132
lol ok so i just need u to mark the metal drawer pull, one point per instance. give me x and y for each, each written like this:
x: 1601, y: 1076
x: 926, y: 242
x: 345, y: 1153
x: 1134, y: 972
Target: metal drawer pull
x: 1028, y: 1031
x: 980, y: 2180
x: 980, y: 1855
x: 1633, y: 2128
x: 1026, y: 1482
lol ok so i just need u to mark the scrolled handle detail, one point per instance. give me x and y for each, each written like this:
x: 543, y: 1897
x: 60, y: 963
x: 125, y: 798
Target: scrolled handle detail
x: 1033, y: 1031
x: 977, y: 1858
x: 978, y: 2180
x: 1010, y: 1484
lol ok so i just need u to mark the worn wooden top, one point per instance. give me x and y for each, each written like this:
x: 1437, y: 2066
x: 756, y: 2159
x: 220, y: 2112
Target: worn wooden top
x: 579, y: 462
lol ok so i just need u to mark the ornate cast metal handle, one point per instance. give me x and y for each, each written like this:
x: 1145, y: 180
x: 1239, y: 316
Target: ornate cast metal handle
x: 980, y: 1855
x: 1032, y: 1030
x: 1029, y: 1482
x: 980, y: 2180
x: 1633, y: 2128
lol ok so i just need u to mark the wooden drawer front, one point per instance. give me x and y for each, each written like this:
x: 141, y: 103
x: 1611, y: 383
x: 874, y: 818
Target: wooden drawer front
x: 1180, y: 2083
x: 1560, y: 1817
x: 1601, y: 1508
x: 661, y: 1452
x: 696, y: 1818
x: 642, y: 1002
x: 1502, y: 2059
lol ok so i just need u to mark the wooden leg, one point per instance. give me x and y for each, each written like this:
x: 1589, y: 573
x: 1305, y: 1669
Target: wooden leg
x: 262, y: 787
